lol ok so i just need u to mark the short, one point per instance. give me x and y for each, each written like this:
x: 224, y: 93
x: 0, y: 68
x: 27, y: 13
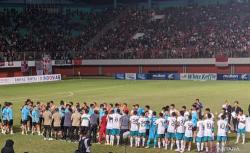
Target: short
x: 30, y: 118
x: 179, y: 136
x: 221, y: 138
x: 115, y: 132
x: 170, y: 135
x: 102, y: 131
x: 10, y: 123
x: 133, y: 133
x: 62, y: 121
x: 5, y: 122
x: 159, y: 136
x: 56, y: 128
x: 147, y: 132
x: 40, y: 120
x: 24, y: 122
x: 84, y: 128
x: 188, y: 139
x: 207, y: 139
x: 199, y: 139
x: 194, y: 129
x: 108, y: 131
x: 142, y: 134
x: 241, y: 131
x: 34, y: 123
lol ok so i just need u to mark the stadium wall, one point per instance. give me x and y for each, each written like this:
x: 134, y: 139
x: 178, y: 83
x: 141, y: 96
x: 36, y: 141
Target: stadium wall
x: 111, y: 67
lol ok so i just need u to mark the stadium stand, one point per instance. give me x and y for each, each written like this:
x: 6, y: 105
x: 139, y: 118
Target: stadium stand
x: 183, y: 32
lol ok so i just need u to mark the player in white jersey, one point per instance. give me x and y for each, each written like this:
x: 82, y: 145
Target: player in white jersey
x: 109, y: 127
x: 134, y: 129
x: 188, y: 137
x: 200, y: 134
x: 186, y: 113
x: 241, y: 127
x: 171, y: 131
x: 143, y: 122
x: 223, y: 112
x: 208, y: 111
x: 221, y: 133
x: 160, y: 123
x: 208, y: 132
x: 116, y: 127
x: 180, y: 131
x: 85, y: 118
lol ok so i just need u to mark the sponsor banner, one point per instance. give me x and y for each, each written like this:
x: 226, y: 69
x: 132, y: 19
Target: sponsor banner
x: 63, y: 62
x: 60, y: 62
x: 30, y: 79
x: 165, y: 76
x: 233, y: 76
x: 173, y: 76
x: 120, y: 76
x: 228, y: 77
x: 158, y: 76
x: 198, y: 76
x: 4, y: 81
x: 142, y: 76
x: 146, y: 76
x: 245, y: 76
x: 130, y: 76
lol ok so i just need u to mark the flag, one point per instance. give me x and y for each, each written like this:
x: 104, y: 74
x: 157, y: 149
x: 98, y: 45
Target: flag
x: 2, y: 63
x: 77, y: 61
x: 24, y: 66
x: 46, y: 64
x: 221, y: 61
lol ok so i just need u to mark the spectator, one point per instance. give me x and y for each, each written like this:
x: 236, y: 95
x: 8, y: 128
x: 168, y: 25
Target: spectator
x: 8, y: 147
x: 84, y: 144
x: 47, y: 116
x: 124, y: 124
x: 235, y: 111
x: 94, y: 122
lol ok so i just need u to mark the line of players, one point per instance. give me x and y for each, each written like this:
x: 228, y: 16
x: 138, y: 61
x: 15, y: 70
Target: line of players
x: 169, y: 129
x: 6, y: 118
x: 173, y: 127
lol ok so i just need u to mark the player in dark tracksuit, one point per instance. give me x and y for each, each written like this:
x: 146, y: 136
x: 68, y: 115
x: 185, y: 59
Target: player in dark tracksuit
x: 84, y: 143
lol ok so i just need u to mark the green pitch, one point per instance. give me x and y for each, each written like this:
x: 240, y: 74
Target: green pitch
x: 153, y: 93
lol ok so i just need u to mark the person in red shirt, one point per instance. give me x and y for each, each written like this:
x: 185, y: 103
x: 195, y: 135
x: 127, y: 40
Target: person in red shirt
x: 125, y: 107
x: 102, y: 127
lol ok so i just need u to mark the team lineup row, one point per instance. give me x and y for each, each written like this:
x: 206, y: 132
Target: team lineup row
x: 170, y: 128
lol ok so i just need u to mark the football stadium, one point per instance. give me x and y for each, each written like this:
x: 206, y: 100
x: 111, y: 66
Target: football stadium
x: 124, y: 76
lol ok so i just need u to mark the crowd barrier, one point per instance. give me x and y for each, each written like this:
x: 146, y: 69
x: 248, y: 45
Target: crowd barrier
x: 181, y: 76
x: 30, y: 79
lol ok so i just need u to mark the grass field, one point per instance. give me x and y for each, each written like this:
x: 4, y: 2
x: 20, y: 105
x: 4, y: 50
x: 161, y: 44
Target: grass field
x: 153, y: 93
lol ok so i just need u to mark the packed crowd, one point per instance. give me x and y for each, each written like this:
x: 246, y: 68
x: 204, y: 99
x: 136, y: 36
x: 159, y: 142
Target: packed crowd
x: 44, y: 30
x: 187, y: 32
x: 140, y: 126
x: 184, y: 32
